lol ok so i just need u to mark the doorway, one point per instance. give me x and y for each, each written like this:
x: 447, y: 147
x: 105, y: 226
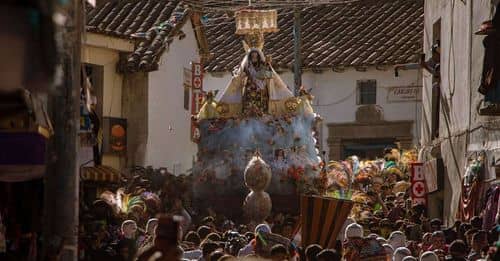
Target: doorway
x: 369, y: 149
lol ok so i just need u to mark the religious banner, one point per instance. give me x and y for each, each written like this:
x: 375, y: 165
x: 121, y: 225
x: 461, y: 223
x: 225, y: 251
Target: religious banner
x: 418, y: 189
x: 197, y: 75
x: 404, y: 94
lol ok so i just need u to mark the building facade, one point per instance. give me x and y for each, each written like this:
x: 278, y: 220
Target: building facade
x: 453, y: 132
x: 349, y: 56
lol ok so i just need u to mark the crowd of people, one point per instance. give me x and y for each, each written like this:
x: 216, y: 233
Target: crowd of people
x: 387, y: 220
x: 175, y: 237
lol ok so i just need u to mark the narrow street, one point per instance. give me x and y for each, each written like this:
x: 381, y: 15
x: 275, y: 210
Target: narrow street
x: 282, y: 130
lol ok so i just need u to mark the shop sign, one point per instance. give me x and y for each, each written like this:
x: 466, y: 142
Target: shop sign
x: 197, y: 75
x: 404, y: 94
x: 418, y: 187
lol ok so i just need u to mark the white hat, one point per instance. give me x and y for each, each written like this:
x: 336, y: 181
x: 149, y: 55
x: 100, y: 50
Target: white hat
x: 429, y: 256
x: 262, y: 228
x: 347, y: 222
x: 409, y: 258
x: 382, y: 240
x: 397, y: 239
x: 400, y: 253
x: 388, y: 249
x: 354, y: 230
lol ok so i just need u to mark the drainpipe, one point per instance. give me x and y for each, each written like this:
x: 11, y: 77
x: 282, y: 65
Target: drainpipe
x: 407, y: 66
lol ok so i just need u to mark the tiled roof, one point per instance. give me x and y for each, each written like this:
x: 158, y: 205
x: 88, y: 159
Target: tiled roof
x: 152, y: 22
x: 357, y: 34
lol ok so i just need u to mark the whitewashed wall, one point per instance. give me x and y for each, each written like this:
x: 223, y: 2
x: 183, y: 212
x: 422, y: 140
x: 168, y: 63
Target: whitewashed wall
x: 169, y: 143
x: 461, y: 67
x: 335, y: 94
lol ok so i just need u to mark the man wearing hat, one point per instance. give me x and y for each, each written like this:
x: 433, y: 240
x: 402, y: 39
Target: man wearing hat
x: 353, y: 241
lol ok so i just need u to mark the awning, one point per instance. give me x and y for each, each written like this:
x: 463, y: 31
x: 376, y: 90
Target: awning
x: 22, y: 156
x: 100, y: 174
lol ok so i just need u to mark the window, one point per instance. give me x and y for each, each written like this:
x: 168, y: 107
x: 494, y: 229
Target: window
x: 367, y: 92
x: 186, y: 98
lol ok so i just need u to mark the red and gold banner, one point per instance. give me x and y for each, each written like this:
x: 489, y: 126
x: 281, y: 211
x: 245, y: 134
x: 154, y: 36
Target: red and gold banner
x: 322, y: 219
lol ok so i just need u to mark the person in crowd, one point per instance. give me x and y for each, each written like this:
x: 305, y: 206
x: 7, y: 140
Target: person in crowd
x: 312, y: 251
x: 436, y: 224
x: 215, y: 255
x: 353, y: 241
x: 203, y: 232
x: 250, y: 247
x: 128, y: 242
x: 328, y: 255
x: 426, y: 242
x: 148, y: 237
x: 468, y: 236
x: 438, y: 242
x: 397, y: 239
x: 458, y: 250
x: 207, y: 247
x: 166, y: 241
x: 479, y: 243
x: 400, y: 253
x: 429, y: 256
x: 464, y: 227
x: 193, y: 239
x: 476, y: 222
x: 279, y: 253
x: 388, y: 249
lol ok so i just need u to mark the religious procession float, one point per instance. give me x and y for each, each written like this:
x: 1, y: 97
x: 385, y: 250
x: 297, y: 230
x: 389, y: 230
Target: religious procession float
x: 256, y: 114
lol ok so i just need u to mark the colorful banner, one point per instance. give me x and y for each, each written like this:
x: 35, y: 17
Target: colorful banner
x: 418, y: 187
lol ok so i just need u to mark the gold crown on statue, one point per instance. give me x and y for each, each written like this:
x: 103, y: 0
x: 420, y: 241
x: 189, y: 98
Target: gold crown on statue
x: 253, y: 24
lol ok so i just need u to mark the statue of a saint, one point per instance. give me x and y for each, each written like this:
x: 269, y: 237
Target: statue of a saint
x: 255, y: 89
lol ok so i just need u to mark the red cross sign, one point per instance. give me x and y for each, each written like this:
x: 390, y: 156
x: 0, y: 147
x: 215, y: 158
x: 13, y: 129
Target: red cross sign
x: 418, y: 189
x: 197, y: 75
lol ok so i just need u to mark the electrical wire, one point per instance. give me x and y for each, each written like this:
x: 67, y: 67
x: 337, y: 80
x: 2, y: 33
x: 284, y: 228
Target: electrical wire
x: 234, y: 5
